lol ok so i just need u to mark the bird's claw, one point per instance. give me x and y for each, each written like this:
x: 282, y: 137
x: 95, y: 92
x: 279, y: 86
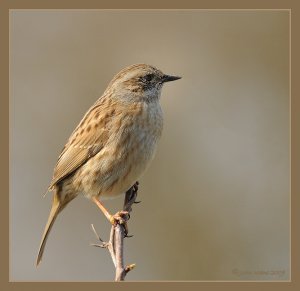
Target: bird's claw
x: 136, y: 186
x: 121, y: 218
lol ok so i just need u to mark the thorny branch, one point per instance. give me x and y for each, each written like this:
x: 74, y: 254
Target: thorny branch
x: 118, y: 232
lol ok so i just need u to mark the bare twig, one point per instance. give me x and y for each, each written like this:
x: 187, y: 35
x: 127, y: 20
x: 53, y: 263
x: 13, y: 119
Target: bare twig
x: 118, y: 232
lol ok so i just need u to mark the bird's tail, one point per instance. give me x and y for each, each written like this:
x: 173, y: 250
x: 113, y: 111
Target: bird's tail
x: 55, y: 209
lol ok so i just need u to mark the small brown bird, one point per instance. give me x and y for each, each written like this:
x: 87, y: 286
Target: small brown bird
x: 112, y: 145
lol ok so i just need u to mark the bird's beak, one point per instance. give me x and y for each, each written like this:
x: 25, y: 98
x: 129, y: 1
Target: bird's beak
x: 168, y: 78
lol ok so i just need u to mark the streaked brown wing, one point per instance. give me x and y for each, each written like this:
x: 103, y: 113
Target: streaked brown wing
x: 86, y: 141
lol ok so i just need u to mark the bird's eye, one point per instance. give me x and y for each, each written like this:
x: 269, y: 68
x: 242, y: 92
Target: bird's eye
x: 148, y: 77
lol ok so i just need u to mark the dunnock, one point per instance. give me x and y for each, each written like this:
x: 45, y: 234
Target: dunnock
x: 112, y: 145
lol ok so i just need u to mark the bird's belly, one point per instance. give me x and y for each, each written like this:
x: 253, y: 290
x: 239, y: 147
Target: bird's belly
x: 125, y: 156
x: 113, y: 171
x: 129, y: 169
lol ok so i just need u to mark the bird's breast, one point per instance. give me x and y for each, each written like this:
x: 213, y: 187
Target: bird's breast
x: 133, y: 137
x: 136, y: 144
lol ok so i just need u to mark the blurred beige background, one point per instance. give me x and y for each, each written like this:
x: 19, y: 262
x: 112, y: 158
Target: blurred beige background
x: 215, y: 201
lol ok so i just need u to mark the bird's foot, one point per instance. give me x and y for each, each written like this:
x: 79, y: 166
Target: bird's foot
x: 136, y: 186
x: 121, y: 218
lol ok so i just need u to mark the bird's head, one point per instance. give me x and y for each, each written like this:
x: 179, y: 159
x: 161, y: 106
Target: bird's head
x: 140, y: 81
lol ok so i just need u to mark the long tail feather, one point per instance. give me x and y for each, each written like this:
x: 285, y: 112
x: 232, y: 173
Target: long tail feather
x: 55, y: 209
